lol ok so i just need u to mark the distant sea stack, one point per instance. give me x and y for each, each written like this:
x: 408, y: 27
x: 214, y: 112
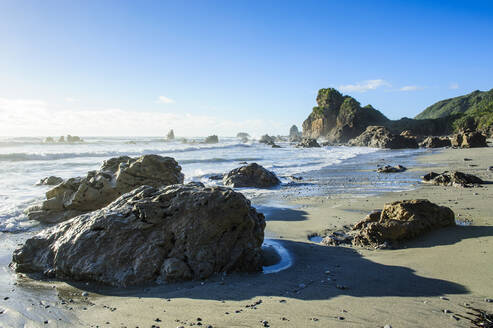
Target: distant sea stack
x: 170, y: 135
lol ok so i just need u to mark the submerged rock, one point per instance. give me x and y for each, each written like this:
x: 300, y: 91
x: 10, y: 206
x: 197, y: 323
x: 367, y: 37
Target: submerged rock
x: 381, y: 137
x: 149, y: 235
x: 435, y: 142
x: 401, y: 220
x: 454, y: 178
x: 99, y: 188
x: 251, y: 175
x: 308, y: 143
x: 468, y: 139
x: 50, y: 181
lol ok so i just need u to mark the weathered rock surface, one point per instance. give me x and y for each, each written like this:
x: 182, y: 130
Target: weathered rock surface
x: 468, y: 139
x: 308, y: 143
x: 211, y: 139
x: 339, y: 118
x: 400, y: 221
x: 294, y: 134
x: 454, y: 178
x: 381, y: 137
x: 391, y: 169
x: 99, y: 188
x: 435, y: 142
x: 251, y: 175
x: 149, y: 235
x: 267, y: 139
x: 50, y: 181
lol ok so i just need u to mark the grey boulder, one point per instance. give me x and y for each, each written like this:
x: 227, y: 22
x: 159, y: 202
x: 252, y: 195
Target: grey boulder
x: 251, y: 175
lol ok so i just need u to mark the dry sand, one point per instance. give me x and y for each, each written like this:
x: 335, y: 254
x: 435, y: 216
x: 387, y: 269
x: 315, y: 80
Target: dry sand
x: 407, y: 287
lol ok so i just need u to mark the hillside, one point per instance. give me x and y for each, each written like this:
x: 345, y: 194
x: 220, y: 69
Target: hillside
x: 457, y: 105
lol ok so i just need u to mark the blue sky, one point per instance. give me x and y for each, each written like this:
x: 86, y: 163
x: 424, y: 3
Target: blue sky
x: 228, y: 65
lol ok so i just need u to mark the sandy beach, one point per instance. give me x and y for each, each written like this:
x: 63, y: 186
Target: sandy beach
x: 426, y: 283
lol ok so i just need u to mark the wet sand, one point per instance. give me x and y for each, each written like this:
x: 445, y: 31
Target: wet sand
x: 329, y: 286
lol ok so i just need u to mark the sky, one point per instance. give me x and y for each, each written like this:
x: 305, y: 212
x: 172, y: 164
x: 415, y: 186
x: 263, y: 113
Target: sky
x: 220, y: 67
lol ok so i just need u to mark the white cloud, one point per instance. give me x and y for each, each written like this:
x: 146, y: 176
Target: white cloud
x: 164, y: 100
x: 71, y: 100
x: 364, y: 86
x: 22, y: 117
x: 454, y: 86
x: 410, y: 88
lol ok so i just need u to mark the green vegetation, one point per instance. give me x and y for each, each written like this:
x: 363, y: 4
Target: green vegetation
x: 478, y: 117
x: 457, y: 105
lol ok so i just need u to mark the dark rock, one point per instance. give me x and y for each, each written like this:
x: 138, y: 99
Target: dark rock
x: 454, y: 178
x: 211, y: 139
x: 308, y: 143
x: 170, y: 135
x: 216, y: 177
x: 381, y: 137
x: 268, y: 140
x: 401, y: 220
x: 251, y: 175
x: 171, y: 233
x: 435, y: 142
x: 391, y: 169
x: 116, y: 176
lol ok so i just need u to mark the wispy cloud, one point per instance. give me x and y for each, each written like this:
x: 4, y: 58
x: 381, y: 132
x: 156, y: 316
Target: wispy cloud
x: 22, y: 117
x: 454, y: 86
x: 410, y: 88
x: 364, y: 86
x: 164, y: 100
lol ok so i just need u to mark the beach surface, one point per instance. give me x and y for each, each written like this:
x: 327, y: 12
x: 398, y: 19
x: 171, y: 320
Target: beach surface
x: 426, y: 283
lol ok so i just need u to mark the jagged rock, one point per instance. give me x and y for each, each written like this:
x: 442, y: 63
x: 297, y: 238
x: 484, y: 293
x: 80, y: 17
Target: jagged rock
x: 211, y: 139
x: 308, y: 143
x: 99, y: 188
x: 339, y: 118
x: 50, y: 181
x: 455, y: 178
x: 149, y: 235
x: 251, y: 175
x: 435, y: 142
x: 216, y: 177
x: 468, y: 139
x: 266, y: 139
x: 72, y: 139
x: 381, y: 137
x: 391, y: 169
x: 401, y: 220
x: 294, y: 134
x: 170, y: 135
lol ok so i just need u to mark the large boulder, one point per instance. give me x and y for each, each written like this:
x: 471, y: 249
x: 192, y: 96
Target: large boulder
x: 251, y: 175
x: 150, y: 235
x: 468, y: 139
x: 50, y: 181
x: 267, y: 139
x: 454, y: 178
x: 391, y: 169
x: 308, y: 143
x: 381, y: 137
x: 211, y: 139
x: 401, y: 220
x: 435, y: 142
x: 116, y: 177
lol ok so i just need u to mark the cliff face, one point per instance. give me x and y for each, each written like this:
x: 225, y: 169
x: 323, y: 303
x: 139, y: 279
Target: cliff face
x: 339, y: 118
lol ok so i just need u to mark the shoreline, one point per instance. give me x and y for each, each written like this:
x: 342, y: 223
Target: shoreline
x: 370, y: 288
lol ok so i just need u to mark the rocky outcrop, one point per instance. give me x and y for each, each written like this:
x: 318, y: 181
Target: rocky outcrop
x: 211, y: 139
x: 435, y: 142
x: 49, y: 140
x: 308, y: 143
x: 251, y: 175
x: 401, y: 220
x: 170, y: 135
x: 242, y: 135
x: 468, y: 139
x: 99, y: 188
x: 294, y: 134
x: 267, y: 139
x: 454, y: 178
x: 381, y: 137
x: 50, y: 181
x: 339, y: 118
x: 391, y: 169
x: 149, y: 235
